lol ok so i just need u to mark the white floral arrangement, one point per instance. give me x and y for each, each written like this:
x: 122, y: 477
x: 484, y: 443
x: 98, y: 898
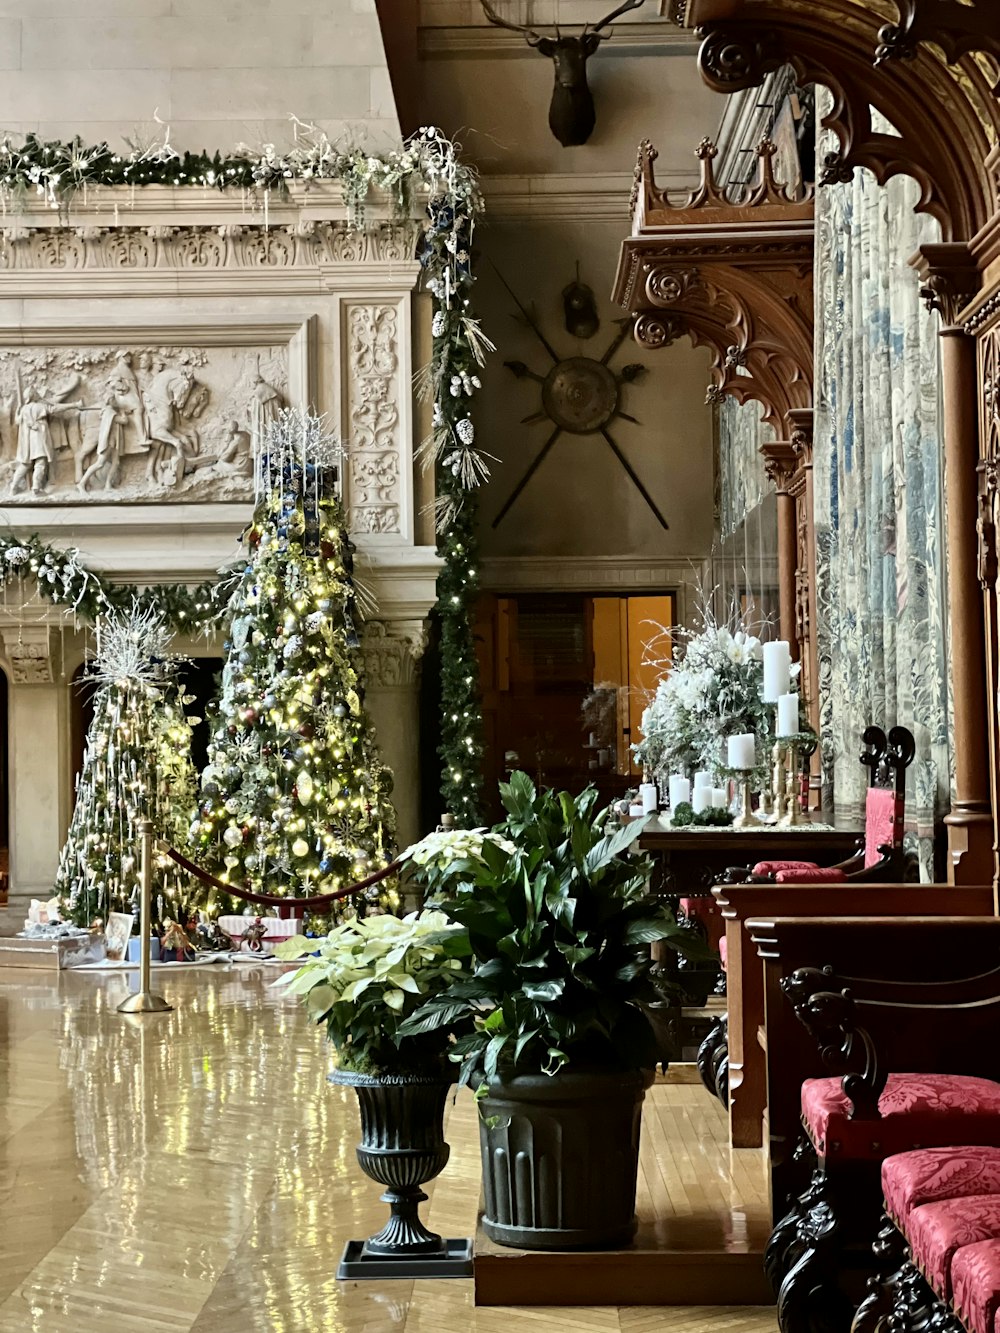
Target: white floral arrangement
x: 712, y: 690
x: 441, y: 848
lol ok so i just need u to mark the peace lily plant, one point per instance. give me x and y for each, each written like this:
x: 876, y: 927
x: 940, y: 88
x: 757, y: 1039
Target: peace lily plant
x: 368, y: 976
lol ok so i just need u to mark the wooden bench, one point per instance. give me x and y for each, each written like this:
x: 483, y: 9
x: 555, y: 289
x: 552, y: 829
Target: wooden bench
x: 745, y: 973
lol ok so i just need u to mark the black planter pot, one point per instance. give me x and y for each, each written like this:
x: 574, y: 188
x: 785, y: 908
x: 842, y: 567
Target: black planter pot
x: 560, y: 1159
x: 402, y: 1147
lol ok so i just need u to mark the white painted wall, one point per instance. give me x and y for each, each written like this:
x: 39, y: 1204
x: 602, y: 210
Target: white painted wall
x: 219, y: 71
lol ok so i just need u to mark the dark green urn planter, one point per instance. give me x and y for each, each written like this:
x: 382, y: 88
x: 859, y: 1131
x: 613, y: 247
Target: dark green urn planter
x: 402, y: 1148
x: 560, y: 1158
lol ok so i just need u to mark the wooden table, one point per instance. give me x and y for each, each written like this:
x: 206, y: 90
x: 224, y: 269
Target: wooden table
x: 690, y: 860
x: 740, y: 903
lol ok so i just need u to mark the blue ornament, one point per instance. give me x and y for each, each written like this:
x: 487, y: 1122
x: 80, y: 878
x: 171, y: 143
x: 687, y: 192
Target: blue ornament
x: 326, y: 865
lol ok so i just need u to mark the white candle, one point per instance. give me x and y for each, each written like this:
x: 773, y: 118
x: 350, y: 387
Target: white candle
x: 680, y: 790
x: 702, y: 779
x: 720, y: 798
x: 650, y: 798
x: 788, y: 715
x: 742, y: 751
x: 702, y: 799
x: 777, y: 670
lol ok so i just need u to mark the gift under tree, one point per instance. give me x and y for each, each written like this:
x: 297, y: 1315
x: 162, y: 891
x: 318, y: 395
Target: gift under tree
x: 136, y: 765
x: 295, y: 798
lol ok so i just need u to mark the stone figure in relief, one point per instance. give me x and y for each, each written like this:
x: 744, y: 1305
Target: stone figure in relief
x: 36, y: 451
x: 235, y: 459
x: 265, y: 407
x: 166, y: 399
x: 116, y: 413
x: 97, y: 424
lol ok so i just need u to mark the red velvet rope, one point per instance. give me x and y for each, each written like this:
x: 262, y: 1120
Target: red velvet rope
x: 269, y: 900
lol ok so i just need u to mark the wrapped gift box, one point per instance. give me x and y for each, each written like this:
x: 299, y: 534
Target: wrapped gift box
x: 278, y: 928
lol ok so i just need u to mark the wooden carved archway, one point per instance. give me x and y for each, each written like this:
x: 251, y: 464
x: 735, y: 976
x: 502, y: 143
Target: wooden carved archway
x: 736, y: 275
x: 932, y: 68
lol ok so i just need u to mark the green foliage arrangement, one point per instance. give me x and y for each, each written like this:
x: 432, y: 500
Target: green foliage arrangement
x: 559, y: 921
x: 684, y: 817
x: 369, y: 976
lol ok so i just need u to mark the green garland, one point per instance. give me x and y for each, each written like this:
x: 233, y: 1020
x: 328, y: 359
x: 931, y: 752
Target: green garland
x: 428, y: 162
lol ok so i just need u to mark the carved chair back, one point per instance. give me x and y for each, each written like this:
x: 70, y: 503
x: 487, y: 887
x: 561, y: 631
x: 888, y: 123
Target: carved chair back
x: 887, y: 758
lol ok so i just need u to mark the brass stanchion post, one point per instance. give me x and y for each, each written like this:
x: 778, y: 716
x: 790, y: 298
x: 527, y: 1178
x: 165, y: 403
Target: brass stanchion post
x: 145, y: 1002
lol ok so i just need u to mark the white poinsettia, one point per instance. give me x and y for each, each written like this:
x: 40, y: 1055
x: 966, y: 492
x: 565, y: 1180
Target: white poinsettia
x: 454, y: 845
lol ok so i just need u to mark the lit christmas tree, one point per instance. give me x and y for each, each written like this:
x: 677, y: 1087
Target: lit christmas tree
x: 295, y: 797
x: 136, y: 765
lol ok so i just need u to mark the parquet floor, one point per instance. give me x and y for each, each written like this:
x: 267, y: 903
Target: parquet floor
x: 194, y: 1173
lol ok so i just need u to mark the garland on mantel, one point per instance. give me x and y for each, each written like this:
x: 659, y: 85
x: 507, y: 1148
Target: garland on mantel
x: 426, y: 170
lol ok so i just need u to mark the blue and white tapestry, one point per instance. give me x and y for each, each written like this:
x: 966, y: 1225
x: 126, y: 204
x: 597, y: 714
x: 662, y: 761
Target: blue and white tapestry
x: 880, y: 522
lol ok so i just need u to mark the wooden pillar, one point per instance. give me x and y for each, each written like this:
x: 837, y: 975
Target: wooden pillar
x: 970, y: 823
x: 780, y: 463
x: 805, y: 626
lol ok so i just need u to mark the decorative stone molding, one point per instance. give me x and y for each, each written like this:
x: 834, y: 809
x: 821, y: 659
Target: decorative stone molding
x: 949, y: 277
x: 307, y: 243
x: 375, y: 495
x: 392, y: 652
x: 30, y: 650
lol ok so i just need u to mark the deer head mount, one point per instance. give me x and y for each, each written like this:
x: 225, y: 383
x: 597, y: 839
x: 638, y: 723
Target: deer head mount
x: 571, y: 111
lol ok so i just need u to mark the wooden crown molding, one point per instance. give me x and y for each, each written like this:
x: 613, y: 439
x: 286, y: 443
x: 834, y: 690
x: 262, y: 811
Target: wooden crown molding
x: 732, y: 273
x: 937, y: 85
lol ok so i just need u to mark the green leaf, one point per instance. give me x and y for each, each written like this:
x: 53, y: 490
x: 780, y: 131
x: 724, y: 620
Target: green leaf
x: 647, y: 930
x: 494, y: 1022
x: 613, y: 845
x: 432, y: 1017
x: 296, y: 947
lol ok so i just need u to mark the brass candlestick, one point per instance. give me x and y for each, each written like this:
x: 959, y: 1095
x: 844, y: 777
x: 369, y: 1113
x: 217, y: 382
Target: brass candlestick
x: 746, y: 818
x: 794, y: 815
x: 145, y: 1002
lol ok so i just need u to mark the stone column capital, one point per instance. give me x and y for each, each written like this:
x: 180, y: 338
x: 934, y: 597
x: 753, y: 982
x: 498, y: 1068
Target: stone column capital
x: 31, y: 651
x: 391, y: 651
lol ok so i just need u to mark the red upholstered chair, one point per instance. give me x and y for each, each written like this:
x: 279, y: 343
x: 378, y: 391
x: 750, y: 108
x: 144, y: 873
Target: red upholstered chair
x: 880, y: 856
x: 855, y: 1120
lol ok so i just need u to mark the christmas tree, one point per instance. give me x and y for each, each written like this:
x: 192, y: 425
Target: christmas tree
x: 295, y: 796
x: 136, y: 765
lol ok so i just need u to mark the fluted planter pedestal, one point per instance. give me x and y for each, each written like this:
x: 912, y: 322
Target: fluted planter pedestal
x: 402, y: 1147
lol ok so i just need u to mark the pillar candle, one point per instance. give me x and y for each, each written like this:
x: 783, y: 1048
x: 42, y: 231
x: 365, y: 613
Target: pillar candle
x: 680, y: 790
x: 702, y: 799
x: 777, y: 670
x: 702, y: 779
x: 742, y: 751
x: 650, y: 798
x: 788, y: 715
x: 720, y: 798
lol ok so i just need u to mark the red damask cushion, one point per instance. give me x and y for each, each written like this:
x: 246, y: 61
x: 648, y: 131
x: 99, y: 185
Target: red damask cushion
x: 975, y: 1285
x: 724, y: 950
x: 929, y: 1175
x: 821, y: 875
x: 936, y: 1231
x: 883, y: 822
x: 764, y: 869
x: 915, y: 1111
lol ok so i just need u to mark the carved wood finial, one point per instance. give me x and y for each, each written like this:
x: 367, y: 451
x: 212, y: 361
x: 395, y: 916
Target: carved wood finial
x: 642, y: 176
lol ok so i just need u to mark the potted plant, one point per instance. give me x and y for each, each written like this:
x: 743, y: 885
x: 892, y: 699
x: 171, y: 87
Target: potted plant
x: 559, y: 921
x: 366, y: 978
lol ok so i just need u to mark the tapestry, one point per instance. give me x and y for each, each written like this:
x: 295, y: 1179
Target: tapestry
x: 879, y: 509
x: 742, y: 479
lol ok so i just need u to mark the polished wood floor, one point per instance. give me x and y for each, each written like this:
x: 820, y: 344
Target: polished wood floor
x: 194, y: 1173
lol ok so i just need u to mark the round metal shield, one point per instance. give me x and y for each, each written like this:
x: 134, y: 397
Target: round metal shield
x: 580, y: 395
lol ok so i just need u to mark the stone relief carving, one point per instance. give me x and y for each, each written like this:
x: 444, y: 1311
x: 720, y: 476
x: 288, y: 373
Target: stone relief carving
x: 375, y: 489
x: 392, y: 653
x: 29, y: 652
x: 113, y: 424
x: 240, y: 246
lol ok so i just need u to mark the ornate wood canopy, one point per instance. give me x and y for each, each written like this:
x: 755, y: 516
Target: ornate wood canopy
x: 937, y: 83
x: 735, y: 276
x: 735, y: 273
